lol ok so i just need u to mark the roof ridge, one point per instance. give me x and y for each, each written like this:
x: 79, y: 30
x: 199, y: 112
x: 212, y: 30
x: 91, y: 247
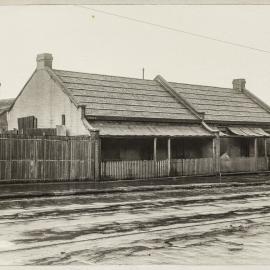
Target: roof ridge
x: 218, y: 87
x: 140, y: 79
x: 114, y: 76
x: 179, y: 98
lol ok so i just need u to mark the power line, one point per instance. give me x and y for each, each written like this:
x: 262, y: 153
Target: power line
x: 176, y: 30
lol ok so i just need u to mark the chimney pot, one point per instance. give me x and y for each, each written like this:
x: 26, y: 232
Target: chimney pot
x: 44, y: 60
x: 239, y: 84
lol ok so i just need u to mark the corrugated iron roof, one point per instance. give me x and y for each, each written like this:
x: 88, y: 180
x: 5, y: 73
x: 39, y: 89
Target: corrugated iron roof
x: 107, y: 128
x: 249, y: 132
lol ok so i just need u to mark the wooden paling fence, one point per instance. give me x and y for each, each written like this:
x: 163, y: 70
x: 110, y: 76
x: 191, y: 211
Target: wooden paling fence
x: 24, y: 157
x: 45, y: 158
x: 135, y: 169
x: 244, y: 164
x: 143, y: 169
x: 199, y: 166
x: 262, y: 164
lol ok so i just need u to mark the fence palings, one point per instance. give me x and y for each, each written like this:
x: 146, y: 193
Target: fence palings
x: 262, y: 163
x: 244, y: 164
x: 134, y: 169
x: 179, y: 167
x: 238, y: 164
x: 25, y: 157
x: 149, y: 169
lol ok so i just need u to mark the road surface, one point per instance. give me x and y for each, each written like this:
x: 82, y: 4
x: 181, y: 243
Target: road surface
x: 197, y: 225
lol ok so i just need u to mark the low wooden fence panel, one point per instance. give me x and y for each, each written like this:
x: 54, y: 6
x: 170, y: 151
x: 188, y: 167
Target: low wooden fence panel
x: 143, y: 169
x: 45, y: 158
x: 185, y: 167
x: 162, y: 168
x: 201, y: 166
x: 135, y: 169
x: 262, y: 164
x: 238, y: 164
x: 244, y: 164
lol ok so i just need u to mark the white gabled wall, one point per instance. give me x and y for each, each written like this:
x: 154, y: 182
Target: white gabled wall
x: 43, y: 98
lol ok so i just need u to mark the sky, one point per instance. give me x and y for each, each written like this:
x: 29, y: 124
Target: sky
x: 87, y: 41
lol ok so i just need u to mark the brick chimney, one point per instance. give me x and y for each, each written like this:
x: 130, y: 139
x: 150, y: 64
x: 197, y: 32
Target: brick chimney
x: 44, y: 60
x: 239, y: 84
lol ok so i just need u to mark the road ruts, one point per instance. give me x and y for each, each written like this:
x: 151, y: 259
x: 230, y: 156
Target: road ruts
x: 174, y: 226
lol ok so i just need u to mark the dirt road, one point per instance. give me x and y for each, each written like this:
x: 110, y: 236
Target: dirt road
x: 195, y: 225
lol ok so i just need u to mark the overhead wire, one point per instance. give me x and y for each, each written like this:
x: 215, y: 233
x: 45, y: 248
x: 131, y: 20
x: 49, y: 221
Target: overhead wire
x: 227, y: 42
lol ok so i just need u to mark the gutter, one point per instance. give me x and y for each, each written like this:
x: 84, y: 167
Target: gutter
x: 84, y: 120
x: 216, y: 131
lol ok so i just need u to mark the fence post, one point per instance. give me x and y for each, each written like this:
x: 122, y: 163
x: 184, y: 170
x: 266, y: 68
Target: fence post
x: 265, y: 154
x: 155, y: 149
x: 169, y: 156
x: 155, y: 157
x: 255, y: 153
x: 96, y: 154
x: 216, y: 153
x: 11, y: 145
x: 43, y: 173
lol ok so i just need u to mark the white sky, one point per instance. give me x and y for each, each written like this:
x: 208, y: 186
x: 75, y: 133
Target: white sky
x: 110, y: 45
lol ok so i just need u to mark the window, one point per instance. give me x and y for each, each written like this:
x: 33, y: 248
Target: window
x: 63, y: 120
x: 27, y: 122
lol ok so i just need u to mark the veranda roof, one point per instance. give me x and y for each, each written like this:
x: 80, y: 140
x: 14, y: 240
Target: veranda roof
x: 249, y: 132
x: 107, y: 129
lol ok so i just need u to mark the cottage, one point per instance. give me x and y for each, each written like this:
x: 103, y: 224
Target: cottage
x: 241, y: 118
x: 147, y: 128
x: 4, y: 107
